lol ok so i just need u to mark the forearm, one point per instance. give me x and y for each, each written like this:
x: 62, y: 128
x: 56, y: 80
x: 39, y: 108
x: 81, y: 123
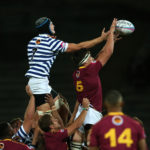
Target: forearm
x: 74, y: 113
x: 91, y: 43
x: 29, y: 115
x: 30, y: 110
x: 35, y: 136
x: 79, y: 121
x: 57, y: 116
x: 106, y: 52
x: 84, y: 45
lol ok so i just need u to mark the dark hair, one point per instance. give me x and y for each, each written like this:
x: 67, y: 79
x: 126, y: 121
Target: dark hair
x: 77, y: 56
x: 42, y: 25
x: 15, y: 122
x: 44, y: 123
x: 113, y: 97
x: 4, y: 130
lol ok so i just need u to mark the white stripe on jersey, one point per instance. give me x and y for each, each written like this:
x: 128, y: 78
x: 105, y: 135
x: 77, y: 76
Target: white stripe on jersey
x: 42, y: 51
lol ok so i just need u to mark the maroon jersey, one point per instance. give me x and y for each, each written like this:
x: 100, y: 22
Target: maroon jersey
x: 88, y: 85
x: 8, y: 144
x: 56, y: 140
x: 116, y: 131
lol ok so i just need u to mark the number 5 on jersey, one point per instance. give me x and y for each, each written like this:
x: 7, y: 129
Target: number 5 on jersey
x: 79, y: 86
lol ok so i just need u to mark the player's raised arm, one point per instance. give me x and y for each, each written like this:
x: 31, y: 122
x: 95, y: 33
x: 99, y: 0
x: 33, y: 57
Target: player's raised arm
x: 54, y: 112
x: 74, y: 113
x: 106, y: 52
x: 78, y: 122
x: 87, y: 44
x: 30, y: 110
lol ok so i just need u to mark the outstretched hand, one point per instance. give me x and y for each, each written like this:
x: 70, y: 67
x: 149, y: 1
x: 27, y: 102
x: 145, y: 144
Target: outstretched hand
x: 104, y: 34
x: 112, y: 30
x: 49, y: 99
x: 85, y: 103
x: 116, y: 37
x: 113, y: 25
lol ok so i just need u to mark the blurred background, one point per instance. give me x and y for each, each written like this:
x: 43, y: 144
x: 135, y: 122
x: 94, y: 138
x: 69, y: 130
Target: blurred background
x: 76, y: 21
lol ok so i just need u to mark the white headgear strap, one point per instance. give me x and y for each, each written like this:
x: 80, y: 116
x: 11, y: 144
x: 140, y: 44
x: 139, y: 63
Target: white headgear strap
x: 86, y: 57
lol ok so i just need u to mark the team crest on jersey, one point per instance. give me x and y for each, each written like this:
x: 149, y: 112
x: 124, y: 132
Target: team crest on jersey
x: 94, y: 61
x: 38, y: 41
x: 117, y: 120
x: 62, y: 44
x: 1, y: 146
x: 61, y: 130
x: 78, y: 74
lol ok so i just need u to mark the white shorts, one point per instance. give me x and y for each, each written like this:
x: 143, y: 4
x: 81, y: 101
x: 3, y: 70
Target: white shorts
x: 92, y: 117
x: 39, y: 85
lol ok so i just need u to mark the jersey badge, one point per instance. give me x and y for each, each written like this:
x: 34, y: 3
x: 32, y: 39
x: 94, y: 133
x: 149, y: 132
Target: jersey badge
x: 62, y: 44
x: 1, y: 146
x: 78, y: 74
x: 38, y: 41
x: 94, y: 61
x: 61, y: 130
x: 117, y: 120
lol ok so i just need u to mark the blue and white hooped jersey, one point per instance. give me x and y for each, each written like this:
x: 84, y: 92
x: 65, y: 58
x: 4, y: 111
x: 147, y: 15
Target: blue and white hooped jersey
x: 24, y: 137
x: 42, y: 51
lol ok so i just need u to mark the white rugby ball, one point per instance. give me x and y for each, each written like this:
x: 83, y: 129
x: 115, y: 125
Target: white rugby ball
x: 124, y: 27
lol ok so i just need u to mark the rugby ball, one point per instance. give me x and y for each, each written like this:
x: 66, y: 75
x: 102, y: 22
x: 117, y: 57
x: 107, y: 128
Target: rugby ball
x: 124, y: 27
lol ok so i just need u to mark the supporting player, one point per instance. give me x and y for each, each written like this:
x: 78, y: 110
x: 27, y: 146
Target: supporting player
x: 116, y: 130
x: 54, y: 134
x: 6, y: 143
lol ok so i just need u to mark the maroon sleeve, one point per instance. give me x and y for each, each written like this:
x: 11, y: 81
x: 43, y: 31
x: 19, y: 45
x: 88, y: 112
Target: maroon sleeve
x: 141, y: 133
x: 95, y: 66
x: 93, y: 137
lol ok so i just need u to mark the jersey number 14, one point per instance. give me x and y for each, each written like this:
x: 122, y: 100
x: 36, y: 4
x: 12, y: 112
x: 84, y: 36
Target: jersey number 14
x: 124, y: 137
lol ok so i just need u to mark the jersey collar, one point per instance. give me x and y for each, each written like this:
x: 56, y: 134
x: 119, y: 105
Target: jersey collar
x: 82, y: 67
x: 115, y: 113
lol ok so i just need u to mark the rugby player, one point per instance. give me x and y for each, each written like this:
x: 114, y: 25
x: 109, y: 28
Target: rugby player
x: 6, y: 143
x: 87, y: 84
x: 42, y: 51
x: 116, y: 131
x: 54, y: 134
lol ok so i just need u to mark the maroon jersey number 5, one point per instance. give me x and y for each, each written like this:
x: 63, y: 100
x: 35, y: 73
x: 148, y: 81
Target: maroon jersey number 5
x: 79, y: 86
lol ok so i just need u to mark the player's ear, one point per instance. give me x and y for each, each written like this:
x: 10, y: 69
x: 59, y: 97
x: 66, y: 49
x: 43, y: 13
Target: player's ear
x: 105, y: 104
x: 51, y: 126
x: 122, y: 103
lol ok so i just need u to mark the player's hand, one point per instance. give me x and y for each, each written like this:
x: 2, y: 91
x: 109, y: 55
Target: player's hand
x: 117, y: 37
x: 49, y: 99
x: 104, y: 34
x: 28, y: 91
x: 113, y: 25
x: 85, y: 103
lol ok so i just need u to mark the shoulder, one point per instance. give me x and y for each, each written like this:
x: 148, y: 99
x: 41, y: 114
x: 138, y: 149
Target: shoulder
x: 102, y: 122
x: 95, y: 65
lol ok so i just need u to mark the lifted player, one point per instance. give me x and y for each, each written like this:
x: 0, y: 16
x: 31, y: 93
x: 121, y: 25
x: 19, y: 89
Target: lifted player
x: 87, y: 83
